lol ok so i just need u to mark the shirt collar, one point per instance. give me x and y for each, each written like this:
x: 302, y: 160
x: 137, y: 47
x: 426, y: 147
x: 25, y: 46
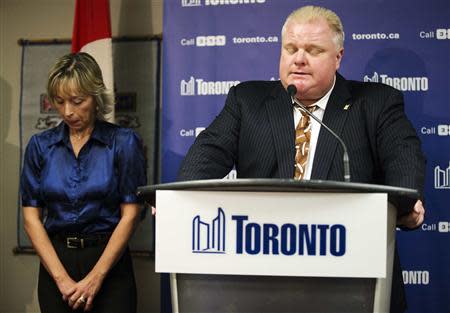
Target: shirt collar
x: 101, y: 133
x: 322, y: 102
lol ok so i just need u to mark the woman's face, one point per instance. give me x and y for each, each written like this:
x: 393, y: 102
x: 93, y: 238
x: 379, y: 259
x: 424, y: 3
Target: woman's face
x: 76, y: 109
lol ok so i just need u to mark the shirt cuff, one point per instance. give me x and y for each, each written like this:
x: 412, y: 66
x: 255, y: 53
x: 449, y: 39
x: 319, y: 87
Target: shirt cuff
x: 32, y: 202
x: 131, y: 198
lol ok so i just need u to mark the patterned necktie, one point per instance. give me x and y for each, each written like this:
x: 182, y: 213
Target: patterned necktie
x: 302, y: 139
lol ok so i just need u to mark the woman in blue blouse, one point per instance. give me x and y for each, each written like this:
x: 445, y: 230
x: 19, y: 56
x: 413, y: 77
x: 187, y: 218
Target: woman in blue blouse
x: 78, y: 194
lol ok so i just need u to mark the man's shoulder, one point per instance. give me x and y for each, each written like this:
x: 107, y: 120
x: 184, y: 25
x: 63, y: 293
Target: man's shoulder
x: 368, y: 89
x: 257, y: 89
x: 259, y: 84
x: 371, y: 96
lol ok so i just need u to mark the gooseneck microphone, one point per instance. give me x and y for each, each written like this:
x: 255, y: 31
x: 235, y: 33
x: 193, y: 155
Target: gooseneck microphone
x: 292, y: 91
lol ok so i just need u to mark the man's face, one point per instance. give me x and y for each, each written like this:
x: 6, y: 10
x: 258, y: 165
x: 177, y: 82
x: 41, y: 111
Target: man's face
x: 309, y: 59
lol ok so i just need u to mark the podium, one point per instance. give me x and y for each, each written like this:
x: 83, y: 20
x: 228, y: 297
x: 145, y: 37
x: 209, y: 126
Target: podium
x: 276, y: 245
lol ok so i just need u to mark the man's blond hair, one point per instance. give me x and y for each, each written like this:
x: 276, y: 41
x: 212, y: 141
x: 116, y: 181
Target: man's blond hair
x: 311, y: 13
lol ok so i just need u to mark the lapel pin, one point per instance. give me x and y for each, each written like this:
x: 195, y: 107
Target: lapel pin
x: 346, y: 107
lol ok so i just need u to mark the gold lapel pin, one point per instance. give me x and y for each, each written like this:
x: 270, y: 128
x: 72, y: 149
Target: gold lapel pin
x: 346, y: 107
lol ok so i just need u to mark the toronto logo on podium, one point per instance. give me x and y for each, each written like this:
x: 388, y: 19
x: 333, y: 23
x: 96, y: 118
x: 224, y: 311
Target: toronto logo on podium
x: 253, y: 237
x: 209, y: 237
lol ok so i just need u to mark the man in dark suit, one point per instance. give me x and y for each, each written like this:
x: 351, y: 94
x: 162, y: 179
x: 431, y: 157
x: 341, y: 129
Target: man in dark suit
x: 256, y: 131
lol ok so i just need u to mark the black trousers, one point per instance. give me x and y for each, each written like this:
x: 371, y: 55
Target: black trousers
x: 117, y: 293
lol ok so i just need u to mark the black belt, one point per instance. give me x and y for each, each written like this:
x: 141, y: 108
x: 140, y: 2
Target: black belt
x: 80, y: 241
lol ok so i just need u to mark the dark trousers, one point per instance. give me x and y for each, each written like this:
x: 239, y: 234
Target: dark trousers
x: 117, y: 293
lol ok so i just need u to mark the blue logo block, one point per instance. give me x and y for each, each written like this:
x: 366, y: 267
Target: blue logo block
x: 209, y: 237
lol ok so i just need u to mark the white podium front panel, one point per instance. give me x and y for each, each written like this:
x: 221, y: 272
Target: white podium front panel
x: 271, y: 233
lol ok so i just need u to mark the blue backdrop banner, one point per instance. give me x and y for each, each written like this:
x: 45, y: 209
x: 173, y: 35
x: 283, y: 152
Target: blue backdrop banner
x: 211, y: 45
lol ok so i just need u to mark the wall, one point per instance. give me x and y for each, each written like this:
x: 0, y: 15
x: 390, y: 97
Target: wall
x: 46, y: 19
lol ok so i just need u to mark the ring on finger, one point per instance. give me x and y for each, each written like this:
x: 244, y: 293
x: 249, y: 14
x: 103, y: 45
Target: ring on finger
x: 82, y: 299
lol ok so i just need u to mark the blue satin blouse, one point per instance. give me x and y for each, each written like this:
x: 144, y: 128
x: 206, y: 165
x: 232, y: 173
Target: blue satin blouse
x: 82, y: 195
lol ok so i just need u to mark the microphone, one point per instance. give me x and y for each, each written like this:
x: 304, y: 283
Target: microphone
x: 292, y: 91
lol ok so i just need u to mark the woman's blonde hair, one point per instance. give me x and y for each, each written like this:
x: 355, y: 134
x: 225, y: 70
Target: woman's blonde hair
x: 80, y: 71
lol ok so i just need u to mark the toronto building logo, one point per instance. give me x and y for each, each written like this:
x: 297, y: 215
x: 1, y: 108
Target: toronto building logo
x: 200, y: 87
x: 209, y: 237
x: 400, y: 83
x: 442, y: 177
x: 187, y: 88
x: 196, y: 3
x: 255, y: 238
x: 190, y: 3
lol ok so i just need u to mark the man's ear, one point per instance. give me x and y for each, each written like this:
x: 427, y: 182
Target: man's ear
x: 339, y: 56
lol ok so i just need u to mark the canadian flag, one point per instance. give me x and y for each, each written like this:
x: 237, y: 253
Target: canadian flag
x: 92, y: 34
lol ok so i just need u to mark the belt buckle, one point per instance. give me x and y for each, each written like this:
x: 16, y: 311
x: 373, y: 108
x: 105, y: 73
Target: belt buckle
x: 70, y: 240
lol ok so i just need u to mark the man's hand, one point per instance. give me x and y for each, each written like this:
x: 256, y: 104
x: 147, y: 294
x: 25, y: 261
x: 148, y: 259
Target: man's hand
x: 414, y: 218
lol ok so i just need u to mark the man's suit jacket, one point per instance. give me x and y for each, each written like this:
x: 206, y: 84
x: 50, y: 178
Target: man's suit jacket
x: 255, y: 132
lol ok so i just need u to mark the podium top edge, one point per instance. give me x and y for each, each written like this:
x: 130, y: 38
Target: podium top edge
x: 278, y: 185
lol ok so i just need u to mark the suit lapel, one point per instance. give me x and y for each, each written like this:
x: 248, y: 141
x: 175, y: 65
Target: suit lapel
x: 281, y: 120
x: 334, y: 117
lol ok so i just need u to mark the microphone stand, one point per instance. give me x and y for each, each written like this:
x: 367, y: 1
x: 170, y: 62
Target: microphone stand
x: 292, y: 90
